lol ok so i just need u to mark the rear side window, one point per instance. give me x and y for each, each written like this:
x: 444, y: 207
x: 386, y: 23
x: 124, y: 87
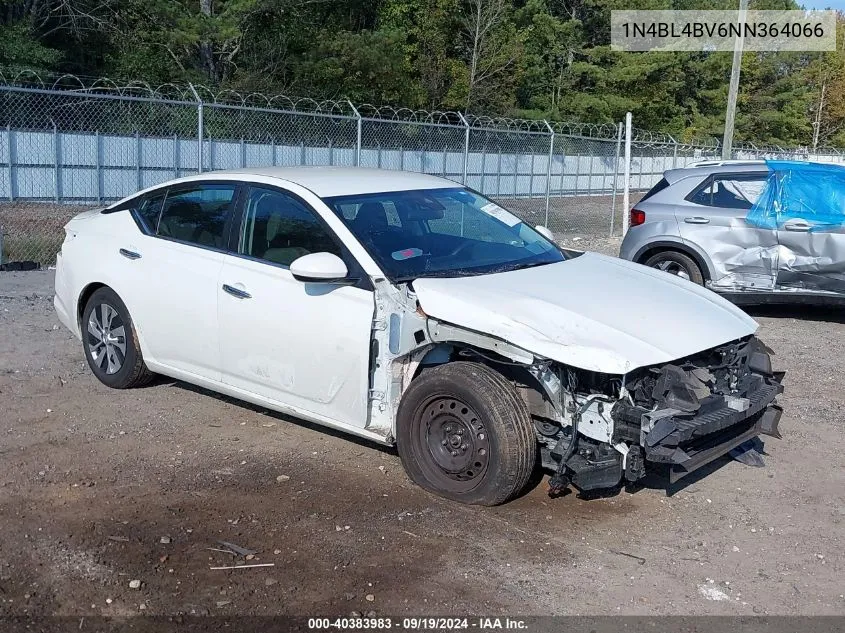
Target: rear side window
x: 197, y: 215
x: 730, y: 191
x: 148, y: 211
x: 660, y: 186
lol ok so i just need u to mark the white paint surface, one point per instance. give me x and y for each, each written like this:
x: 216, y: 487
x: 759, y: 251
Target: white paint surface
x: 593, y: 312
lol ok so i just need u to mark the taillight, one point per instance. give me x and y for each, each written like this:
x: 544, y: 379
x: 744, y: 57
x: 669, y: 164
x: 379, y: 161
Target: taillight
x: 637, y: 217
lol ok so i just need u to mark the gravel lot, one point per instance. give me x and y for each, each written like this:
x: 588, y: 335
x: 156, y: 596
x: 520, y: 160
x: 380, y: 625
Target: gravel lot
x: 99, y: 488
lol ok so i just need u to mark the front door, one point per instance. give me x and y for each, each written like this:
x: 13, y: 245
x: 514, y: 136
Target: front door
x: 303, y: 345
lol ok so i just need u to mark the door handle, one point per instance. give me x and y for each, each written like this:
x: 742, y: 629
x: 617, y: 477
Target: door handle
x: 697, y: 220
x: 798, y: 226
x: 236, y: 292
x: 129, y: 254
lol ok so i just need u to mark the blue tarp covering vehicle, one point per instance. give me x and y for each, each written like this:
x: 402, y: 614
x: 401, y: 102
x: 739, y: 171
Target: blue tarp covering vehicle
x: 813, y: 192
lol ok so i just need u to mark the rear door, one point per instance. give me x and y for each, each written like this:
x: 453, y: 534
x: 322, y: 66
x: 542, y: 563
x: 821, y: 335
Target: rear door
x: 176, y: 268
x: 713, y: 216
x: 812, y: 253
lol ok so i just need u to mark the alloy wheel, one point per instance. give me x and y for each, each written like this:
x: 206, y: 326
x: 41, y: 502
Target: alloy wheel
x: 106, y: 338
x: 673, y: 268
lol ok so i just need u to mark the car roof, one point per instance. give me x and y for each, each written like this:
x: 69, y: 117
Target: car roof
x: 716, y: 167
x: 325, y: 182
x: 342, y: 181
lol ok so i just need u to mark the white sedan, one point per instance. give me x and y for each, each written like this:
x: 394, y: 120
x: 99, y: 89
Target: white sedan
x: 410, y: 310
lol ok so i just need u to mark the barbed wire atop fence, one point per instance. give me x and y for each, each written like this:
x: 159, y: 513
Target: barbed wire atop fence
x: 194, y: 92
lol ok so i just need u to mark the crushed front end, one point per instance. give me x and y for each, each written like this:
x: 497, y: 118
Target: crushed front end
x: 682, y: 415
x: 689, y: 413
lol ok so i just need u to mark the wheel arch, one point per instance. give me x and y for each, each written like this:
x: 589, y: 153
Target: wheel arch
x: 84, y: 296
x: 518, y: 374
x: 82, y: 301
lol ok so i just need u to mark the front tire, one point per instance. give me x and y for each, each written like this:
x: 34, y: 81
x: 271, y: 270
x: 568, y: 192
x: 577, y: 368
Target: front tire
x: 677, y: 264
x: 110, y: 344
x: 464, y: 433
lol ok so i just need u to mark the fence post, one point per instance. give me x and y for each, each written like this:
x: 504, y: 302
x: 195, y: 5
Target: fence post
x: 615, y: 176
x: 358, y: 142
x: 138, y: 161
x: 466, y: 149
x: 549, y: 170
x: 176, y: 158
x: 56, y: 158
x: 200, y: 127
x: 99, y: 167
x: 10, y: 168
x: 674, y: 153
x: 499, y: 171
x: 626, y: 195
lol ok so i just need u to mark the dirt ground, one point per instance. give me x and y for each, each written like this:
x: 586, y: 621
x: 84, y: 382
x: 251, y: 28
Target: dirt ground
x: 99, y: 488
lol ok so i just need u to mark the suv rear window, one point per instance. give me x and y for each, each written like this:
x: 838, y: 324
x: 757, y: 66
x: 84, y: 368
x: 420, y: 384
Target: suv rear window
x: 660, y: 186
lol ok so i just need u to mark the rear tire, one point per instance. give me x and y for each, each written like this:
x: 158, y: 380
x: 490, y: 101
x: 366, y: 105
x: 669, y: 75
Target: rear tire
x: 464, y: 433
x: 110, y: 343
x: 677, y: 264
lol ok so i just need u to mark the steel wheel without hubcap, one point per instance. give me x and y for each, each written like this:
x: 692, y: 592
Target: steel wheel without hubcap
x: 107, y: 338
x: 457, y: 443
x: 463, y: 432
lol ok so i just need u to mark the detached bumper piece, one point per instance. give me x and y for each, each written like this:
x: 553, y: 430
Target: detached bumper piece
x: 687, y: 441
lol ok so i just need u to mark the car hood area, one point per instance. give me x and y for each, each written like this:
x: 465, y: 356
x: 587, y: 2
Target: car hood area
x: 592, y: 312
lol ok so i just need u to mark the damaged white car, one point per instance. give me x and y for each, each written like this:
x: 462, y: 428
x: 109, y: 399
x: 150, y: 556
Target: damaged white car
x: 409, y: 310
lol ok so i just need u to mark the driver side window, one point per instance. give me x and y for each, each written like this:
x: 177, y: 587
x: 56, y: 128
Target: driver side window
x: 278, y: 228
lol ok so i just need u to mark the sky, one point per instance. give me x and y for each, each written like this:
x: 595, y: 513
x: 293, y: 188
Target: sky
x: 823, y: 4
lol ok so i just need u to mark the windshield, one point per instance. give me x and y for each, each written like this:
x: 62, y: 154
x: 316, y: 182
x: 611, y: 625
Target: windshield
x: 441, y: 233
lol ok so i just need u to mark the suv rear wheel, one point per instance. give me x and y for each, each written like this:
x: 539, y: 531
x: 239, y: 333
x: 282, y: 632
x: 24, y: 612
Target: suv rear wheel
x: 676, y: 263
x: 464, y: 433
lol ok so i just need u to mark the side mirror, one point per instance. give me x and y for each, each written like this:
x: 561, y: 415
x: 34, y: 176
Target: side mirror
x: 319, y: 268
x: 545, y: 232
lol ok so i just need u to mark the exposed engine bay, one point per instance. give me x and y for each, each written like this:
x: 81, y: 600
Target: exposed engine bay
x: 682, y: 414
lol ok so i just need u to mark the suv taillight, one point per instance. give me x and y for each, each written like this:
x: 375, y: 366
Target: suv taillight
x: 637, y: 217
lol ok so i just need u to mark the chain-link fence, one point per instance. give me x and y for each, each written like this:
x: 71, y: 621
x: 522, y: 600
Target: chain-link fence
x: 69, y: 144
